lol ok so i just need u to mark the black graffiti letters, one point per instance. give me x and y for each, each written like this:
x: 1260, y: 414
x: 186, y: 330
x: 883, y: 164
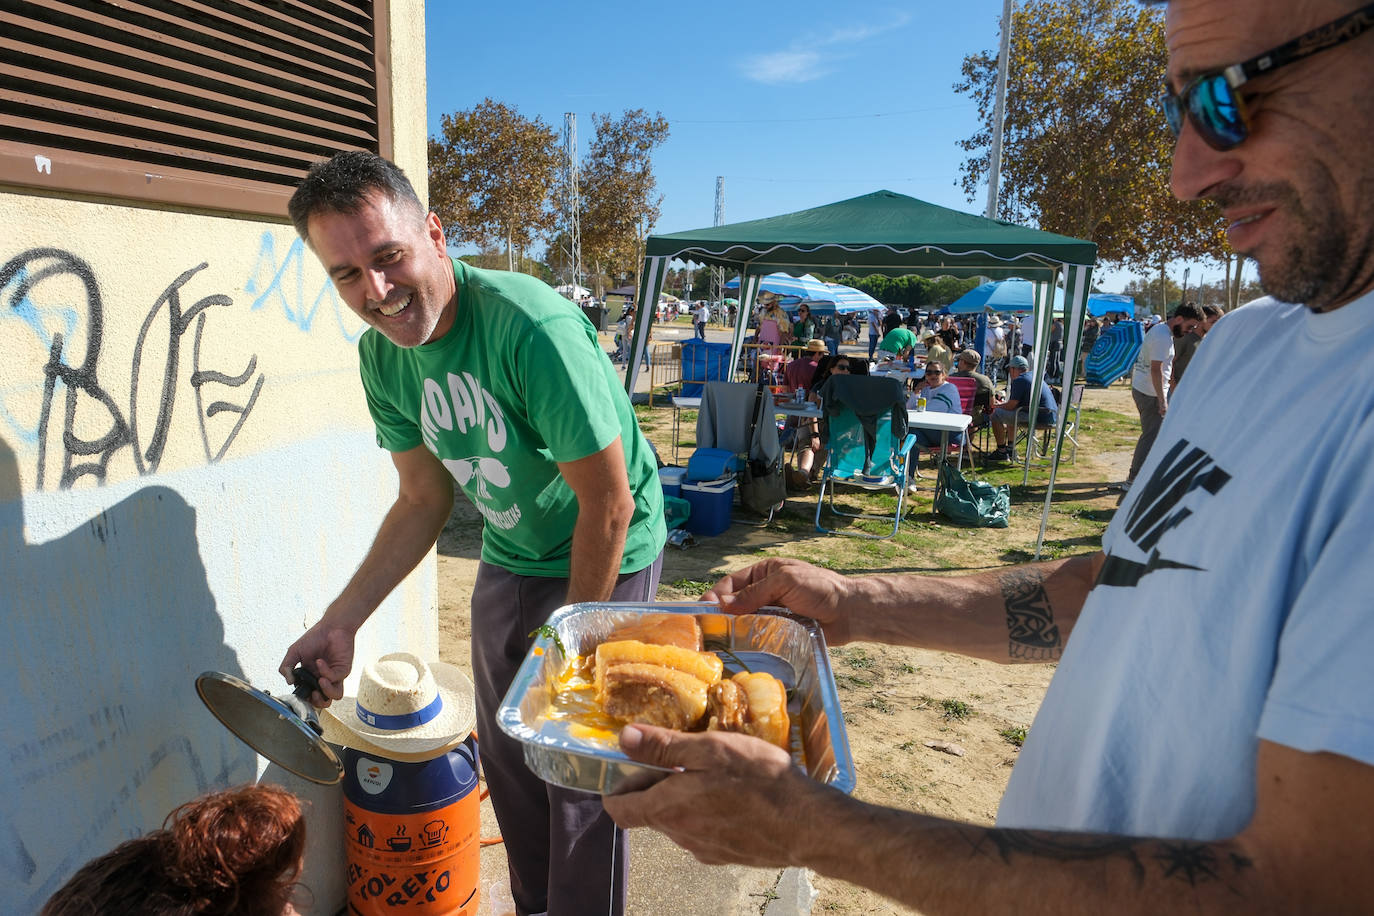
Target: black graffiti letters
x: 87, y: 402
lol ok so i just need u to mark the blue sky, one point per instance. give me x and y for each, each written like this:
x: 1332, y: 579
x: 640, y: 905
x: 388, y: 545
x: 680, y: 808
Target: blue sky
x: 796, y: 104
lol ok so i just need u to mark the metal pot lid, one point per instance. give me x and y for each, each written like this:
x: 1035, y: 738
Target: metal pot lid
x: 283, y: 730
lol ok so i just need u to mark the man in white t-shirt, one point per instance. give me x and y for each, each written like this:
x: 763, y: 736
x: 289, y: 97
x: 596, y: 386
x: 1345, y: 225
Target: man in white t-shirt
x: 1150, y: 379
x: 700, y: 316
x: 1207, y: 742
x: 1027, y: 335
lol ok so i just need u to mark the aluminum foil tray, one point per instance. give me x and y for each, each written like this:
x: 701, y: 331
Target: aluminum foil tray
x: 790, y: 647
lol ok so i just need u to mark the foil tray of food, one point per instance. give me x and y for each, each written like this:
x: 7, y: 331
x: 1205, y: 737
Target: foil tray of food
x: 597, y: 666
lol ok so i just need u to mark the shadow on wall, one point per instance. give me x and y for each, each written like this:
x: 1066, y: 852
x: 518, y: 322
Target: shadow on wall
x: 107, y: 627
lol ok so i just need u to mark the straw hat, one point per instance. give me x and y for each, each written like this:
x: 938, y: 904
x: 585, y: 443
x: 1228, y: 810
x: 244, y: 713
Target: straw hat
x: 816, y: 346
x: 927, y: 334
x: 405, y: 708
x: 994, y: 321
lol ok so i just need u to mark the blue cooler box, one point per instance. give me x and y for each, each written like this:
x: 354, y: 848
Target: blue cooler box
x: 670, y: 478
x: 710, y: 501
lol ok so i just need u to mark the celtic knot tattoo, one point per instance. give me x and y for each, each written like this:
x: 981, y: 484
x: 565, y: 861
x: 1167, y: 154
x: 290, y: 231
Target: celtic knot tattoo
x: 1031, y: 630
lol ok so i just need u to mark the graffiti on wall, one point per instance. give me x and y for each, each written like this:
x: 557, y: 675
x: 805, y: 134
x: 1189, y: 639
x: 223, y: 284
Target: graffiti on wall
x: 283, y: 284
x: 87, y: 427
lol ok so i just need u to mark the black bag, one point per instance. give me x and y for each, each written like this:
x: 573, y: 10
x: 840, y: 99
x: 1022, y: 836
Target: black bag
x: 976, y: 503
x: 761, y: 486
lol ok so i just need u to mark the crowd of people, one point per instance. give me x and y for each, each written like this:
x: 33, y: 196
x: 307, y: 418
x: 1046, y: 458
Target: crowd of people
x: 1206, y: 743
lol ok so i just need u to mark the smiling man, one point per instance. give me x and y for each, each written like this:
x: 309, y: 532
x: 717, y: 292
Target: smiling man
x: 1207, y: 742
x: 492, y: 380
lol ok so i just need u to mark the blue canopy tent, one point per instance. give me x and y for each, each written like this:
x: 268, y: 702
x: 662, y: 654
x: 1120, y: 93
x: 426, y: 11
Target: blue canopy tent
x: 1017, y: 295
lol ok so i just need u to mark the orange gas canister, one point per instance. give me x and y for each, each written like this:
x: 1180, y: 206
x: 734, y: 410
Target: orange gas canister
x: 412, y: 833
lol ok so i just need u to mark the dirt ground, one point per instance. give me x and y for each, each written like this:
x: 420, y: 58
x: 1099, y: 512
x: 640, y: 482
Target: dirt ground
x: 896, y: 700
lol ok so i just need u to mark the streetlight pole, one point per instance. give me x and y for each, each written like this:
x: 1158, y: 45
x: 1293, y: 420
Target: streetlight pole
x: 999, y: 112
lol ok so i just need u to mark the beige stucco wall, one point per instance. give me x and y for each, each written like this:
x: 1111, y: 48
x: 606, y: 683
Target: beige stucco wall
x: 188, y: 474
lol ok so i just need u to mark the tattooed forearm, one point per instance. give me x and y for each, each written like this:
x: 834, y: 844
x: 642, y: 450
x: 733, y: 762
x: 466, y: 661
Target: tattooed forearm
x: 1172, y: 860
x: 1031, y: 631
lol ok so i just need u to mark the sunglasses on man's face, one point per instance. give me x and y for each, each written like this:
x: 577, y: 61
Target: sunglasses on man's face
x: 1212, y: 101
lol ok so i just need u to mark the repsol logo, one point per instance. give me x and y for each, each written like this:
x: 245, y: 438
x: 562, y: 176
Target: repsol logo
x: 458, y: 406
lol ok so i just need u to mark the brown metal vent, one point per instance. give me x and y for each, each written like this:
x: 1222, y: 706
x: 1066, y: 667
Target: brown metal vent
x: 216, y: 104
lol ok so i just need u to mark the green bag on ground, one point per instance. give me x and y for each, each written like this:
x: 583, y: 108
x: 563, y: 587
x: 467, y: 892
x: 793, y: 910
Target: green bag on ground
x: 976, y: 503
x: 675, y: 511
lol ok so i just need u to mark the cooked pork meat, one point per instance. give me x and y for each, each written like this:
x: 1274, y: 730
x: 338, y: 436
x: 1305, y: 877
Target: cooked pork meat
x: 703, y: 666
x: 681, y: 630
x: 654, y: 695
x: 754, y: 703
x: 727, y: 706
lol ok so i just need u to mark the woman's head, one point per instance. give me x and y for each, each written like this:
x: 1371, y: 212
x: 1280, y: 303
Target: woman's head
x: 232, y: 852
x: 803, y: 311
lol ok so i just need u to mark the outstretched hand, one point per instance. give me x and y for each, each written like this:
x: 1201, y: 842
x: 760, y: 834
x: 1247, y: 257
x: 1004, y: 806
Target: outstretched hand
x: 736, y: 799
x: 325, y: 649
x: 821, y: 594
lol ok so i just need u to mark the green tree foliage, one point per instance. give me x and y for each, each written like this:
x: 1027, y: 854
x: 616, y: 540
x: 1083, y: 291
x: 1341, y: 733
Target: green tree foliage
x: 909, y: 291
x: 620, y: 199
x: 1086, y: 151
x: 491, y: 172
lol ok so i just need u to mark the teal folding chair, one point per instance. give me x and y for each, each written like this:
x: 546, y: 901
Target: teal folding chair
x: 850, y: 464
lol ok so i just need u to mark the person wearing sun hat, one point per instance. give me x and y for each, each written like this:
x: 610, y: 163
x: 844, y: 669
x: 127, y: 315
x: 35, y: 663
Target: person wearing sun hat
x: 406, y: 709
x: 936, y: 351
x: 799, y: 372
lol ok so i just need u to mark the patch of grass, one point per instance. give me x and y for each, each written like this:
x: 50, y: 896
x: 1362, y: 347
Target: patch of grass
x: 857, y: 657
x: 849, y: 681
x: 1015, y: 734
x: 956, y: 709
x: 898, y: 780
x: 691, y: 586
x: 879, y: 704
x: 907, y: 668
x: 906, y: 745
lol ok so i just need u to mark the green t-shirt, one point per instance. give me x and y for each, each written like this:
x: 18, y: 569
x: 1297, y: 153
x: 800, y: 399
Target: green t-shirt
x: 897, y: 340
x: 518, y: 384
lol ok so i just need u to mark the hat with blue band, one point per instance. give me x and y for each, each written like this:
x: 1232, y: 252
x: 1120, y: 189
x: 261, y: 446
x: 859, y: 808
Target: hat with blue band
x: 405, y: 707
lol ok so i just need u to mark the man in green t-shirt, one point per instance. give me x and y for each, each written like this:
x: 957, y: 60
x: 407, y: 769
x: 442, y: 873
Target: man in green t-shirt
x: 492, y: 380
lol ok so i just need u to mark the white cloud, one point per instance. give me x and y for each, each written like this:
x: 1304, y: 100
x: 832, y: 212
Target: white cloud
x: 784, y: 67
x: 807, y: 58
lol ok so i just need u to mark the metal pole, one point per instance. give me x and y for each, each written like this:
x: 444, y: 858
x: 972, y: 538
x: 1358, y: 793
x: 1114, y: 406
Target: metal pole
x: 999, y: 112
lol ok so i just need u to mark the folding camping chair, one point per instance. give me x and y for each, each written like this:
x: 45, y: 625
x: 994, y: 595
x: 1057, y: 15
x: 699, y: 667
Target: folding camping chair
x: 863, y: 428
x: 1040, y: 446
x: 728, y: 413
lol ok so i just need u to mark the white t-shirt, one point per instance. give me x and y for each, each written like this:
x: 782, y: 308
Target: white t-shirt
x: 1235, y: 604
x: 702, y: 314
x: 1028, y: 331
x: 1158, y: 345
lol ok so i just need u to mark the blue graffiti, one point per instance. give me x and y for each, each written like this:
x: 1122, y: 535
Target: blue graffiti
x: 40, y: 320
x: 284, y: 283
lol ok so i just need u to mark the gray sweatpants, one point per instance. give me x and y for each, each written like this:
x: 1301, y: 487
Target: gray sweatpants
x: 565, y: 854
x: 1147, y: 405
